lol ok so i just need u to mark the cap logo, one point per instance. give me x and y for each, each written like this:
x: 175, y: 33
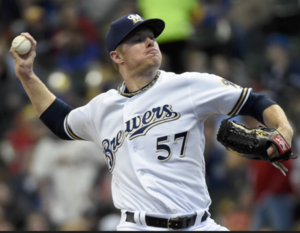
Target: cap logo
x: 135, y: 18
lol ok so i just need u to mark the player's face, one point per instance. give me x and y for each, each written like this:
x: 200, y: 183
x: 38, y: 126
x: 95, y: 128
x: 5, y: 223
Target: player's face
x: 140, y: 50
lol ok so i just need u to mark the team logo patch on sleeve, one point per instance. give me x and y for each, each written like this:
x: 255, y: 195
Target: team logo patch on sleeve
x: 228, y: 83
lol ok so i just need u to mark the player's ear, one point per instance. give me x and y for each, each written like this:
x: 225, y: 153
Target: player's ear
x: 116, y: 57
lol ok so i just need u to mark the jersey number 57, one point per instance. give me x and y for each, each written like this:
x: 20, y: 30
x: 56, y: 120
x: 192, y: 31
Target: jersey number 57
x: 160, y: 146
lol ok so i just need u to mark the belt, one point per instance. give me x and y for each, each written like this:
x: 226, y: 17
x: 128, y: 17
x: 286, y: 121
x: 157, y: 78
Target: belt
x: 176, y: 223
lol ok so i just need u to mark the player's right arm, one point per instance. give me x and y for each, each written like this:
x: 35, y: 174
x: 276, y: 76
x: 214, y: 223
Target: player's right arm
x: 53, y: 112
x: 39, y: 95
x: 50, y: 109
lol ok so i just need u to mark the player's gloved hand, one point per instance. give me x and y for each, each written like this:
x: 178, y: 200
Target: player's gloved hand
x: 260, y: 143
x: 272, y: 152
x: 24, y: 64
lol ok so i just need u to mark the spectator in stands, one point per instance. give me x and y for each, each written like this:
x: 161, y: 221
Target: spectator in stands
x: 282, y: 73
x: 179, y: 16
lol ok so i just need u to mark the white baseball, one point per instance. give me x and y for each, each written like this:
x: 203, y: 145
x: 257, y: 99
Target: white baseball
x: 21, y: 45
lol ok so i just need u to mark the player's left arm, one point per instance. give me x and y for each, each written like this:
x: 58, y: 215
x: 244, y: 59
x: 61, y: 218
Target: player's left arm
x: 275, y: 117
x: 270, y: 114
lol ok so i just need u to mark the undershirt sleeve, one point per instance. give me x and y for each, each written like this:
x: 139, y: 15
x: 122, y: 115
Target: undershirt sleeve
x: 53, y: 117
x: 255, y: 106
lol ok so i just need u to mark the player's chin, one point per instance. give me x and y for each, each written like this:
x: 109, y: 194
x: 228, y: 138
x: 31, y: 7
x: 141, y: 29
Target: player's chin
x: 155, y: 58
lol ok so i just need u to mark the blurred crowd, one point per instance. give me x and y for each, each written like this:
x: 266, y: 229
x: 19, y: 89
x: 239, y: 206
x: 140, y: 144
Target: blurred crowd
x: 50, y: 184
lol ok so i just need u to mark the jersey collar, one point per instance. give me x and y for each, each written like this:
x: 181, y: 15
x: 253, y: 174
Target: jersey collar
x: 122, y: 87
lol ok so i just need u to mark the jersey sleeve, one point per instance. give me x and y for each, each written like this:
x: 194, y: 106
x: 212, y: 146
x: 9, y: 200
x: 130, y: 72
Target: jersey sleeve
x: 211, y: 94
x: 79, y: 124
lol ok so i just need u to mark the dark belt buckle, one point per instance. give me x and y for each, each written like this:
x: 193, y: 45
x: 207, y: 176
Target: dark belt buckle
x: 172, y: 219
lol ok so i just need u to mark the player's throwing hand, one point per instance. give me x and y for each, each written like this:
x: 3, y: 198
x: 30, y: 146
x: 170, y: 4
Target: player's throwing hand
x: 24, y: 64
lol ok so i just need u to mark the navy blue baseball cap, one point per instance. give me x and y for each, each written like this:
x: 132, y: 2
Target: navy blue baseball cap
x: 120, y: 28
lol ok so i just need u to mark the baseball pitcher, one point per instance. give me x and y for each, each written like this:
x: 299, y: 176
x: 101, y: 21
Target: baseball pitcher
x: 150, y: 129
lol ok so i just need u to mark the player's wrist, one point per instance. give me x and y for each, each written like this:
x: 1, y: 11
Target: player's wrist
x: 287, y: 132
x: 28, y: 77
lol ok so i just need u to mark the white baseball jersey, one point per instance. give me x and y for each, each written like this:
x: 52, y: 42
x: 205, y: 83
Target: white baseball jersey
x: 153, y: 142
